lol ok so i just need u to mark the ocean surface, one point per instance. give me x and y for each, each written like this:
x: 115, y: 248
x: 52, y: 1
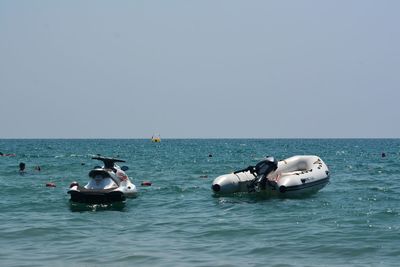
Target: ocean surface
x: 353, y: 221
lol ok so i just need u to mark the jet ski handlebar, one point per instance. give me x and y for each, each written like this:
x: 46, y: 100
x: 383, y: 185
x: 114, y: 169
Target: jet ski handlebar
x: 108, y: 159
x: 108, y: 162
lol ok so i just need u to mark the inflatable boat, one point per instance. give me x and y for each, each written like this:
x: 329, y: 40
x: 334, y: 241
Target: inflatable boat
x: 295, y: 176
x: 107, y: 184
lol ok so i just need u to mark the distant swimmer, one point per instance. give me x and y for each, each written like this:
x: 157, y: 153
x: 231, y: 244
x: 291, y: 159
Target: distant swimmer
x: 22, y: 168
x: 383, y: 154
x: 37, y: 168
x: 6, y: 155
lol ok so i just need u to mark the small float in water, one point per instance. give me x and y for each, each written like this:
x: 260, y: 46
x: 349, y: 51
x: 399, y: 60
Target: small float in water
x: 107, y: 184
x: 295, y: 176
x: 50, y: 184
x: 146, y: 183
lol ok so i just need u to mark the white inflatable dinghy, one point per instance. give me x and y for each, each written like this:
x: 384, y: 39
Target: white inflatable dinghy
x: 295, y: 176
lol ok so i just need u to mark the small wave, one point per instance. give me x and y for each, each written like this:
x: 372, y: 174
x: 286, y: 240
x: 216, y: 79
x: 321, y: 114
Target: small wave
x: 81, y: 207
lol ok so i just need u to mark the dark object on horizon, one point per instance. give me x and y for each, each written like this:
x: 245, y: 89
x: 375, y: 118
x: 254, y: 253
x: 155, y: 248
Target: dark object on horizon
x: 383, y: 154
x: 22, y: 167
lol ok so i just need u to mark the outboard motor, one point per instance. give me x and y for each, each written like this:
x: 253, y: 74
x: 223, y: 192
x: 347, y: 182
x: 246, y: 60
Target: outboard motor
x: 247, y: 179
x: 262, y: 169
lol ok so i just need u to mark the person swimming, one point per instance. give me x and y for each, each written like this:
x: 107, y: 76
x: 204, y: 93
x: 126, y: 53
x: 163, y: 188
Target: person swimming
x: 6, y: 155
x: 21, y: 168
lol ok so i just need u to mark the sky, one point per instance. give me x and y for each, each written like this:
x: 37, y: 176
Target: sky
x: 200, y: 69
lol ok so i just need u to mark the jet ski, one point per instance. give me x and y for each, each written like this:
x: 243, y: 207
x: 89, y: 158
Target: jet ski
x: 295, y: 176
x: 107, y: 184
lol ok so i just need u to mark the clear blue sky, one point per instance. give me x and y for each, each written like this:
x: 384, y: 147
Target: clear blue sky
x: 269, y: 69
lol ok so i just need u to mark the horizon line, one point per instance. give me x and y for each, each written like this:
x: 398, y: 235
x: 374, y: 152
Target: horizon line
x: 182, y: 138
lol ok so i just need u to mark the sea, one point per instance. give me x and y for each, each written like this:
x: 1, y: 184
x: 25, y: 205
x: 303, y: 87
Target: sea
x: 178, y: 221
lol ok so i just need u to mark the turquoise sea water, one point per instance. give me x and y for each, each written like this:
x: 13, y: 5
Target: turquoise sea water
x: 353, y: 221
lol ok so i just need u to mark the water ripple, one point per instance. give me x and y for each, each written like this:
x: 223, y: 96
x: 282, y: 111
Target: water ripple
x: 178, y: 221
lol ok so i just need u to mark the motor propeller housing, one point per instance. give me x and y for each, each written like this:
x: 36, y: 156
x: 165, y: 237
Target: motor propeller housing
x: 231, y: 183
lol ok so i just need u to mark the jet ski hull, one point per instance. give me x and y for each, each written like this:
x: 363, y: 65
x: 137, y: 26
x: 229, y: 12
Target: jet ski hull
x: 82, y: 195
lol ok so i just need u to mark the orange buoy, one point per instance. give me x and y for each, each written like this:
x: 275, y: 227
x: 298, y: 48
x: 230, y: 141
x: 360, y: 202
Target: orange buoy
x: 146, y: 183
x: 50, y: 185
